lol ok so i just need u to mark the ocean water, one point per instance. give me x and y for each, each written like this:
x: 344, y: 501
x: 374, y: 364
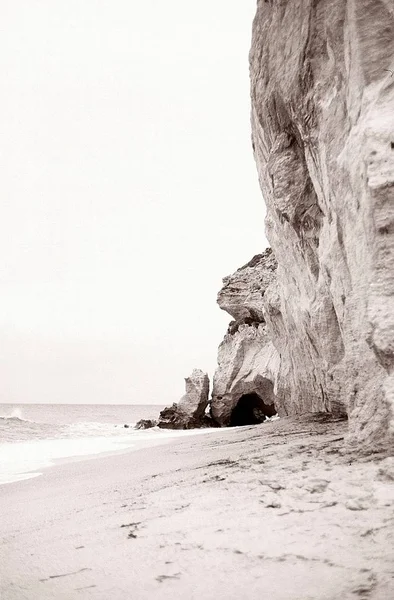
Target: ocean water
x: 36, y: 436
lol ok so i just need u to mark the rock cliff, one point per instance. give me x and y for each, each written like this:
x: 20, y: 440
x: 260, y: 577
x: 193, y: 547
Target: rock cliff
x: 248, y: 362
x: 323, y: 139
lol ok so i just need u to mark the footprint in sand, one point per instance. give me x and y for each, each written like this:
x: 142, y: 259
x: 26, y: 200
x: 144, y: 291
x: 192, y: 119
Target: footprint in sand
x: 316, y: 486
x: 162, y: 578
x: 133, y: 529
x: 270, y: 501
x: 356, y: 504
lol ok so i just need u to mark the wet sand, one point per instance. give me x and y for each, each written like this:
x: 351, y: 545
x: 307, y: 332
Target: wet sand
x: 280, y: 511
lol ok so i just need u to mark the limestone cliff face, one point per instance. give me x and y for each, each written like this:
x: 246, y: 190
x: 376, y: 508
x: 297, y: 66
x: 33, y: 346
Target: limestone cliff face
x: 248, y: 362
x: 323, y: 139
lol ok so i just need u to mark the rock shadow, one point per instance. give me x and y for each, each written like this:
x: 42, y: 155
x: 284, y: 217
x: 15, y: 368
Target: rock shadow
x: 251, y: 410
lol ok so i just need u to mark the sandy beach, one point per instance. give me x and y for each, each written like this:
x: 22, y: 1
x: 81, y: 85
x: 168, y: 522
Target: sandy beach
x: 280, y: 511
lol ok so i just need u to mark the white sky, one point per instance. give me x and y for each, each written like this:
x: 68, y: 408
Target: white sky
x: 128, y: 191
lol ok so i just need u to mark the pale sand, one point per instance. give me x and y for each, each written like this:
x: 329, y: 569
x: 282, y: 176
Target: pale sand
x: 273, y: 512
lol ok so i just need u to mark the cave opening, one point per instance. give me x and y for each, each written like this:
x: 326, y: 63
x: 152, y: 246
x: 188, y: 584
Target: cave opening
x: 251, y: 410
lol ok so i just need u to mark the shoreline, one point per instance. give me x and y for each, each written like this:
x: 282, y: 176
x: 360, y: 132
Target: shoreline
x: 121, y: 446
x: 279, y: 511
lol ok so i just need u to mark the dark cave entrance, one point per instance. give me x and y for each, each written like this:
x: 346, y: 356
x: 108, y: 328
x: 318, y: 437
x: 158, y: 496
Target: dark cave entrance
x: 251, y: 410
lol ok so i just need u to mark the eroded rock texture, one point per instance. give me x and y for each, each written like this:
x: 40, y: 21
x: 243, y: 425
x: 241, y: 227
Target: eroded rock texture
x: 189, y: 412
x: 248, y: 363
x: 323, y: 138
x: 145, y: 424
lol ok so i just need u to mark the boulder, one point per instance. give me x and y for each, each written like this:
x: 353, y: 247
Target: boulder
x: 146, y: 424
x: 189, y: 412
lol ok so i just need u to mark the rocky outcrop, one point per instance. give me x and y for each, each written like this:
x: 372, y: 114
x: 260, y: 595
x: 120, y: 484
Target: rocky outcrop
x: 323, y: 138
x: 189, y: 412
x: 146, y: 424
x: 242, y: 293
x: 247, y: 366
x: 248, y: 363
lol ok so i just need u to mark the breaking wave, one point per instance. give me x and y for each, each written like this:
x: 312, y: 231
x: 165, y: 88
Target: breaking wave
x: 14, y: 428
